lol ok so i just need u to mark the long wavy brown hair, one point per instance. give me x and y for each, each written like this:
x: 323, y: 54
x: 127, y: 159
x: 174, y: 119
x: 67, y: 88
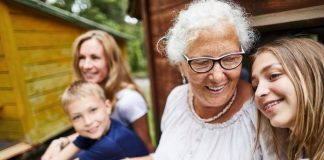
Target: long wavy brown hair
x: 303, y: 61
x: 119, y: 76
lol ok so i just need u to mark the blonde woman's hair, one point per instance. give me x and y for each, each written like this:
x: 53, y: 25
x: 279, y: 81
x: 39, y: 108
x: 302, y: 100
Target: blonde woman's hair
x: 119, y: 75
x: 303, y: 61
x: 81, y: 89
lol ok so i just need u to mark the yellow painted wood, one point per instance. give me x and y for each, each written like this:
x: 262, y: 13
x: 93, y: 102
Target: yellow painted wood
x: 10, y: 125
x: 123, y: 48
x: 34, y: 71
x: 7, y: 96
x: 41, y: 86
x: 35, y: 68
x: 51, y: 113
x: 52, y: 118
x: 16, y: 9
x: 8, y: 111
x: 45, y: 100
x: 43, y: 44
x: 49, y: 130
x: 43, y: 39
x: 14, y: 150
x: 8, y: 106
x: 45, y: 54
x: 3, y: 65
x: 22, y: 22
x: 8, y: 45
x: 1, y: 49
x: 5, y: 81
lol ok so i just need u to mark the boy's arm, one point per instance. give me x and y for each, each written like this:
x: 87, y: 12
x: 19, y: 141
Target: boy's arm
x: 67, y: 153
x: 57, y: 146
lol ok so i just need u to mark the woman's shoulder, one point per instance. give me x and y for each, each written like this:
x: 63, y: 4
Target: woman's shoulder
x: 130, y: 106
x: 129, y: 97
x: 175, y: 107
x: 178, y: 91
x: 128, y: 92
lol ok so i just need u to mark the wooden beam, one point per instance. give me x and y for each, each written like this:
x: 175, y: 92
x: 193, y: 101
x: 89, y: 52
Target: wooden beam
x: 296, y: 15
x: 14, y: 150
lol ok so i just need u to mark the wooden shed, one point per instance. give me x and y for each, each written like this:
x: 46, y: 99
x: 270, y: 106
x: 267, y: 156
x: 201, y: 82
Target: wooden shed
x: 36, y: 66
x: 272, y: 18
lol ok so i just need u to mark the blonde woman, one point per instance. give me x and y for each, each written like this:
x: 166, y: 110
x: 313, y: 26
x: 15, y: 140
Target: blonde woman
x: 287, y: 76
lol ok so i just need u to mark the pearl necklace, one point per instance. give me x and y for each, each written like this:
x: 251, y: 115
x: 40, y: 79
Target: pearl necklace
x: 207, y: 120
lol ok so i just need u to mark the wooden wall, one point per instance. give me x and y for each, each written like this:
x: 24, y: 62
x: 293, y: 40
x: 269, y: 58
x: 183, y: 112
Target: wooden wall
x: 158, y: 16
x: 35, y: 68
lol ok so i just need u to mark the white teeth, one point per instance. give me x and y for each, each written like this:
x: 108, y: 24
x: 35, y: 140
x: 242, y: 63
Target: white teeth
x: 215, y: 88
x: 270, y: 105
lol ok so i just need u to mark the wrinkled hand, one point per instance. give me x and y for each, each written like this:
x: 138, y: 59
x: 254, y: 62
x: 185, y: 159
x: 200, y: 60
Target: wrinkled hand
x: 54, y: 148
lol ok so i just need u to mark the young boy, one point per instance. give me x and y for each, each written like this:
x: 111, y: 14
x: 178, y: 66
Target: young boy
x: 99, y: 136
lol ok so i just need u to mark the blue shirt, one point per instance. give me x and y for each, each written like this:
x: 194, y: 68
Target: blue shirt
x: 118, y: 143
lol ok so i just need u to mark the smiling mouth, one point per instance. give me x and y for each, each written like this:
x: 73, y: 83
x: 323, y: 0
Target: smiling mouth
x: 271, y: 104
x: 89, y: 75
x: 93, y: 130
x: 216, y: 88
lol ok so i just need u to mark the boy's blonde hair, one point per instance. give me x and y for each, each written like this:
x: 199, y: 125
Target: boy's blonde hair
x: 81, y: 89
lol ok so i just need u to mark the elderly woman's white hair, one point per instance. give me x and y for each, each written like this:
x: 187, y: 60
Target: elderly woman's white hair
x: 202, y: 14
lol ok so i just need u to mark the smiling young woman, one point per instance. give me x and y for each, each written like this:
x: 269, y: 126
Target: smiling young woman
x: 287, y: 76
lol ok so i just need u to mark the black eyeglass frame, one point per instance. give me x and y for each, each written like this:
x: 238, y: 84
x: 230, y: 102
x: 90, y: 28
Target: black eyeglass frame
x: 218, y: 60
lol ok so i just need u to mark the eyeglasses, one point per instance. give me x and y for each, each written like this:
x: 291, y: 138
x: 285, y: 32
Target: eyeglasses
x: 205, y: 64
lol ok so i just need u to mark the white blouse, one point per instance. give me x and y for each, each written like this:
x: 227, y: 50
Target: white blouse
x: 184, y: 137
x: 130, y: 106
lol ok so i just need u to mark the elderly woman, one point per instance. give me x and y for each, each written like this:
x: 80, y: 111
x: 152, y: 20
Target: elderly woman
x: 213, y: 116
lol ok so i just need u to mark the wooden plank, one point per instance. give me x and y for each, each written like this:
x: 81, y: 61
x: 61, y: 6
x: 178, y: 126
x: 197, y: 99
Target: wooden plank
x: 15, y: 8
x: 271, y: 6
x: 8, y: 107
x: 8, y: 111
x: 43, y: 39
x: 40, y: 86
x: 45, y: 100
x: 14, y: 150
x: 303, y: 14
x: 1, y: 49
x: 10, y: 125
x: 5, y: 81
x: 48, y: 130
x: 37, y: 22
x: 7, y: 96
x: 49, y: 114
x: 45, y: 54
x: 12, y: 136
x: 8, y: 43
x: 160, y: 5
x: 3, y: 64
x: 162, y: 21
x: 34, y: 71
